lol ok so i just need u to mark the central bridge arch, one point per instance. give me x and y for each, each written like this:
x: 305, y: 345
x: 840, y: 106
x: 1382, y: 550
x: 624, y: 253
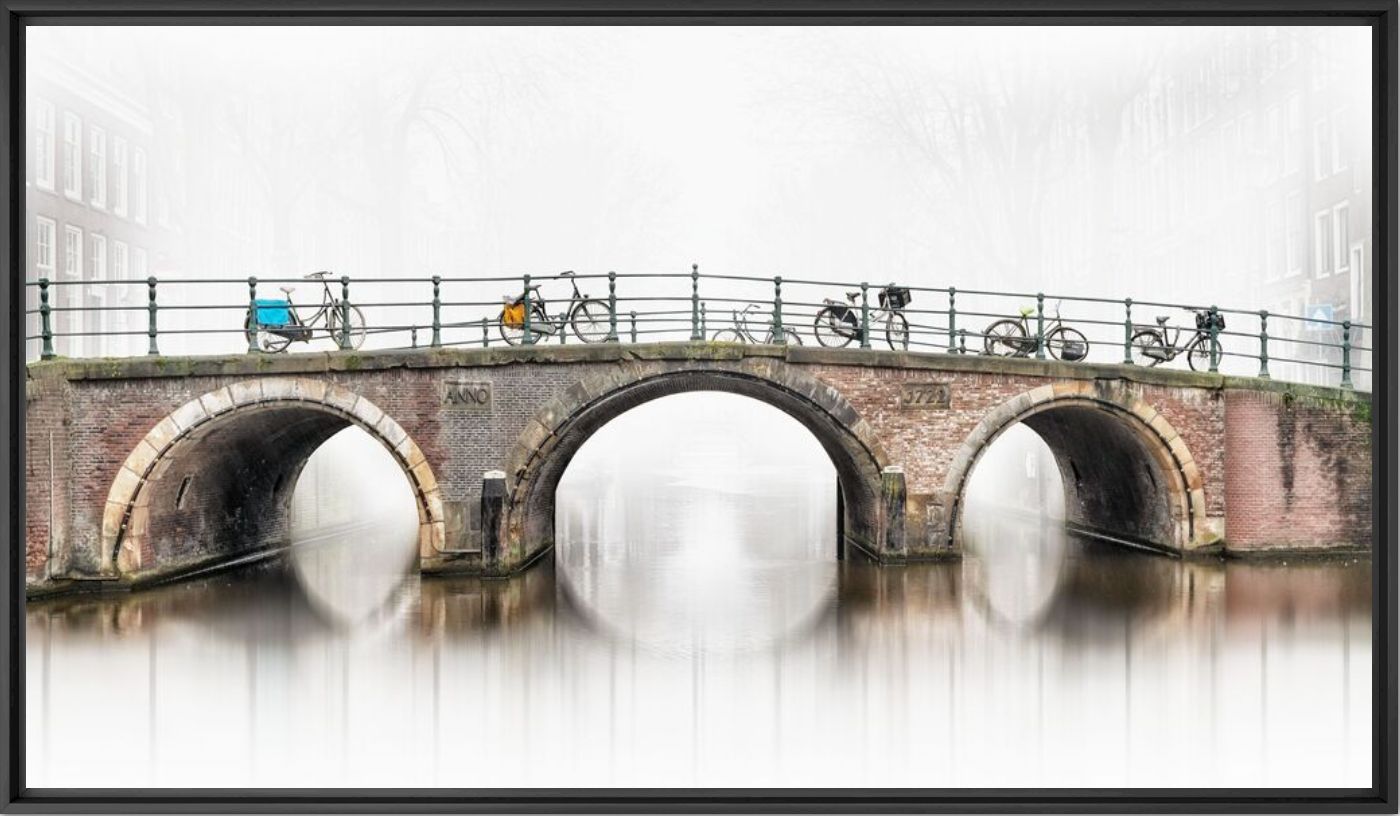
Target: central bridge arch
x: 556, y: 433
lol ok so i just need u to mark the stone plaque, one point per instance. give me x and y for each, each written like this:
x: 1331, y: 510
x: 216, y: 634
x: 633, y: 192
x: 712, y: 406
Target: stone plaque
x: 925, y: 395
x: 468, y: 396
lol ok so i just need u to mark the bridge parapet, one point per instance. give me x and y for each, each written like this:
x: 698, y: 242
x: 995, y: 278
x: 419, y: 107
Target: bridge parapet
x: 1195, y: 461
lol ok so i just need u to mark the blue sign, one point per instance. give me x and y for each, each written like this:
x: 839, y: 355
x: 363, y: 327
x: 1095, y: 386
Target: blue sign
x: 1319, y: 317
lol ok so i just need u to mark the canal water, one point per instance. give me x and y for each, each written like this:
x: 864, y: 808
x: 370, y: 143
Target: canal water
x: 694, y: 628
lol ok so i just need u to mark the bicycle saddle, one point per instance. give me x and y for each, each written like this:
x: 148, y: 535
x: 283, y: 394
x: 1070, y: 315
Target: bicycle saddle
x: 568, y: 274
x: 319, y: 275
x: 852, y: 296
x: 1027, y: 311
x: 287, y: 290
x: 1162, y: 319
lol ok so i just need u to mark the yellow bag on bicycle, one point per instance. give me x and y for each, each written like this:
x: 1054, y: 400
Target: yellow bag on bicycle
x: 513, y: 316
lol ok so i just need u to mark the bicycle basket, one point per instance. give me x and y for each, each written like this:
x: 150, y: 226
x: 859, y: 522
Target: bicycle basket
x: 895, y: 297
x: 1203, y: 321
x: 273, y: 313
x: 513, y: 315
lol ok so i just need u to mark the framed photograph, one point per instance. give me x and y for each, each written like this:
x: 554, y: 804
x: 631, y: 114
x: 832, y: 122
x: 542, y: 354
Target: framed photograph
x: 918, y: 406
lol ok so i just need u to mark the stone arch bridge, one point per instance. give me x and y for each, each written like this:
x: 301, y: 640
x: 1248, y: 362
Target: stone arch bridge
x: 142, y: 469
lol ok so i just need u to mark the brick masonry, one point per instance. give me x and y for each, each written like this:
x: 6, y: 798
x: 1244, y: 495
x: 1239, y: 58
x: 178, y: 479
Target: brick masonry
x: 1270, y: 466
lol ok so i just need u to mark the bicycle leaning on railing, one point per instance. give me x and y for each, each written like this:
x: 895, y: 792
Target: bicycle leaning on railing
x: 1151, y: 346
x: 742, y: 333
x: 273, y: 323
x: 1013, y: 338
x: 589, y: 317
x: 838, y: 324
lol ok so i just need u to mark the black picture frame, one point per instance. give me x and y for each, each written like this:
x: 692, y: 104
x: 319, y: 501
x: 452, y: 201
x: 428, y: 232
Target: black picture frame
x: 1380, y: 15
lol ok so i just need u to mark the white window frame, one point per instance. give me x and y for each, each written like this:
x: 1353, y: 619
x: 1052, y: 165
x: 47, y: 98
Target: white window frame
x: 43, y: 144
x: 120, y: 255
x: 1339, y: 159
x: 1293, y: 226
x: 1357, y: 266
x: 1322, y: 154
x: 120, y: 176
x: 73, y: 156
x: 1322, y: 240
x: 97, y: 256
x: 138, y: 263
x: 1274, y: 237
x: 41, y: 226
x: 72, y: 261
x: 97, y: 155
x: 1293, y: 150
x: 1341, y: 237
x: 139, y: 173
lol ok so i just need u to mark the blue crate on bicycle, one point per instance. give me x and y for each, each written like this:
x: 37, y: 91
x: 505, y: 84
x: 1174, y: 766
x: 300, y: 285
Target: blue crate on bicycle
x: 273, y: 312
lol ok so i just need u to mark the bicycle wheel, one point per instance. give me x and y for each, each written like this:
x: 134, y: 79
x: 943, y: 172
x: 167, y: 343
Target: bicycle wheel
x: 590, y: 321
x: 897, y: 331
x: 1067, y: 344
x: 355, y: 330
x: 1200, y: 353
x: 791, y: 337
x: 264, y: 340
x: 835, y: 327
x: 729, y: 336
x: 1148, y: 348
x: 1005, y: 338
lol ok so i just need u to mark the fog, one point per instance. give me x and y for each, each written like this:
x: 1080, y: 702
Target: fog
x: 1151, y: 162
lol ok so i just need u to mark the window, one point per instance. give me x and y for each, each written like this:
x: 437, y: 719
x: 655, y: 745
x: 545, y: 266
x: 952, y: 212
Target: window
x: 43, y: 144
x: 1273, y: 241
x: 138, y: 263
x: 72, y: 156
x: 1358, y: 283
x: 138, y: 185
x: 97, y: 258
x: 72, y: 253
x: 1322, y: 149
x: 97, y: 166
x: 1339, y: 151
x: 1322, y: 243
x: 1274, y: 122
x: 1293, y: 146
x: 119, y: 179
x: 1293, y: 226
x: 1341, y: 237
x: 43, y: 246
x: 119, y: 257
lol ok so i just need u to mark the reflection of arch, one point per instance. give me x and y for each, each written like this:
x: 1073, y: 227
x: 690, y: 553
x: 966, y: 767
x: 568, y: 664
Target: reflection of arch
x: 229, y: 461
x: 1127, y: 472
x: 550, y: 440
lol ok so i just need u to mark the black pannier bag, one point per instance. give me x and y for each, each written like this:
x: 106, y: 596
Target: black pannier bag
x: 895, y: 297
x: 1203, y: 321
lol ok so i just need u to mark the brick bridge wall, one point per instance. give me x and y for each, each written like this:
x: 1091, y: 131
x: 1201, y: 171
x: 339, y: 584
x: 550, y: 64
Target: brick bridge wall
x: 1275, y: 466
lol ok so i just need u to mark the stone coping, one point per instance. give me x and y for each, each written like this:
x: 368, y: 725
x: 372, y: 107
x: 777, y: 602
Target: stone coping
x: 160, y: 366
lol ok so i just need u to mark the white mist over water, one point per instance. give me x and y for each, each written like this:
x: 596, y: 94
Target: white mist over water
x: 699, y: 520
x: 354, y: 525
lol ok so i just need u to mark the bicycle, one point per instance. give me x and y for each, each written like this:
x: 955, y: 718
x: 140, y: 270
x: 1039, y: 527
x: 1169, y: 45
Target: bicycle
x: 838, y: 324
x: 589, y: 317
x: 1151, y: 347
x: 276, y: 323
x: 742, y: 334
x: 1013, y: 338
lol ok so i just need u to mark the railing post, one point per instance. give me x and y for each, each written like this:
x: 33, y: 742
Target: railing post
x: 1214, y: 339
x: 864, y: 315
x: 962, y: 341
x: 529, y: 335
x: 151, y: 314
x: 1040, y: 325
x: 1346, y: 354
x: 634, y: 327
x: 778, y: 335
x: 252, y: 327
x: 344, y: 312
x: 44, y: 328
x: 1127, y: 331
x: 952, y: 319
x: 704, y: 331
x: 437, y: 311
x: 1263, y: 344
x: 612, y: 307
x: 694, y: 303
x: 413, y: 336
x: 485, y: 335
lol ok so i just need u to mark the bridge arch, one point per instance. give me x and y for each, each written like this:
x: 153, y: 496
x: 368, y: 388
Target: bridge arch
x: 544, y: 449
x: 1127, y: 472
x: 231, y: 457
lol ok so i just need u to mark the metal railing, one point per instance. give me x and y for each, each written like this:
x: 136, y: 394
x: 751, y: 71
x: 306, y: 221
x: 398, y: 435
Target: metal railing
x: 135, y: 317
